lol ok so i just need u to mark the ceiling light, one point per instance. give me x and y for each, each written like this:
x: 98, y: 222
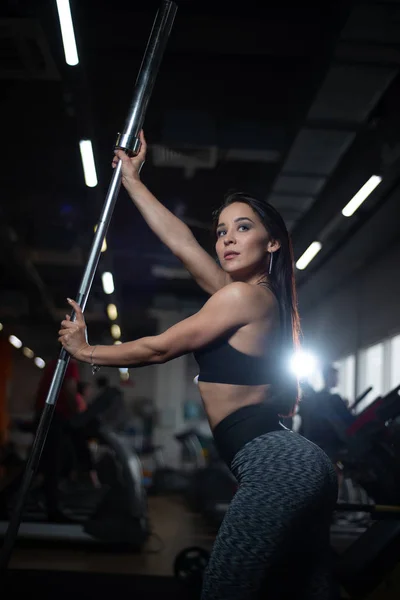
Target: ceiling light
x: 112, y: 312
x: 1, y: 326
x: 361, y: 196
x: 89, y: 168
x: 14, y: 341
x: 124, y: 376
x: 108, y: 282
x: 67, y: 32
x: 28, y: 352
x: 308, y: 255
x: 39, y: 362
x: 115, y: 331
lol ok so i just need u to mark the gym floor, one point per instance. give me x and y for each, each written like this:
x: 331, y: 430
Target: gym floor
x: 174, y: 528
x: 69, y: 571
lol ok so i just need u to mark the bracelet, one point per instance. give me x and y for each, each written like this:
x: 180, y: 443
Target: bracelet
x: 95, y: 368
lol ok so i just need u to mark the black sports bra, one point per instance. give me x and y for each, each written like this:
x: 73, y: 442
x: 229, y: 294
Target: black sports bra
x: 219, y: 362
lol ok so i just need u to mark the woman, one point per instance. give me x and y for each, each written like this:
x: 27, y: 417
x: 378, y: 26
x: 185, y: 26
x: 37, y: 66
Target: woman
x: 242, y: 339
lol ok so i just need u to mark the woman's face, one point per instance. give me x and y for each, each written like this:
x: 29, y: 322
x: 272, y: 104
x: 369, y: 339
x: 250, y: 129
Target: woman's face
x: 243, y: 244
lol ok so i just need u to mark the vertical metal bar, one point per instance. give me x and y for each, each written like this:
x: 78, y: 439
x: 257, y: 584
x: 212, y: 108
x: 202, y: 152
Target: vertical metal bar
x: 129, y: 141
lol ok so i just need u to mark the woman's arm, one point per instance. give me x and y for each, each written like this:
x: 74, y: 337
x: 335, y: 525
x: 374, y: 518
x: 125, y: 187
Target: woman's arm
x: 232, y: 307
x: 177, y: 236
x: 173, y: 232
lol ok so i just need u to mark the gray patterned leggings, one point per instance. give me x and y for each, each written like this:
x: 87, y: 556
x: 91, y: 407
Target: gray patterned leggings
x: 274, y: 540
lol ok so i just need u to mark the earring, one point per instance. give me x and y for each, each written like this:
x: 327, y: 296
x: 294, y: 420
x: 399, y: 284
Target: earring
x: 270, y: 263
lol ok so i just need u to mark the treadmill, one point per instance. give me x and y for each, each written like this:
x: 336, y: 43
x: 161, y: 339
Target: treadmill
x: 118, y: 518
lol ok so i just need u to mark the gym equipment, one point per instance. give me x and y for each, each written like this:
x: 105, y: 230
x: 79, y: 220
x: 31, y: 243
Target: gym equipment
x: 207, y: 483
x: 118, y: 518
x: 211, y: 492
x: 128, y: 141
x: 377, y: 511
x: 170, y: 480
x: 376, y: 415
x: 78, y: 499
x: 211, y: 486
x: 372, y: 455
x: 352, y: 494
x: 360, y: 398
x: 370, y: 559
x: 189, y: 566
x: 121, y: 518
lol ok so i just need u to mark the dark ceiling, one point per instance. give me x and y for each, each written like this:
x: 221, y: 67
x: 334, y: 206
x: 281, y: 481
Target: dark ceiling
x: 295, y: 104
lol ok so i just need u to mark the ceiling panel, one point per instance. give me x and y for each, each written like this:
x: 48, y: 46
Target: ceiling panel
x: 291, y: 203
x: 318, y: 151
x: 374, y: 23
x: 298, y: 184
x: 350, y: 92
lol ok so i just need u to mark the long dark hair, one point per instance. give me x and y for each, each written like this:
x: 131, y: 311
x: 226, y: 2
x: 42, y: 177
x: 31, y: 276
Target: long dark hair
x: 281, y: 280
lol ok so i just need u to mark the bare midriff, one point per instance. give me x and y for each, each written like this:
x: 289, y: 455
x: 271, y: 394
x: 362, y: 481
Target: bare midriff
x: 222, y: 399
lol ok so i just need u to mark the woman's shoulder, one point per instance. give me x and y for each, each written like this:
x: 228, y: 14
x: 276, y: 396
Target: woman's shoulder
x: 241, y: 288
x: 259, y: 298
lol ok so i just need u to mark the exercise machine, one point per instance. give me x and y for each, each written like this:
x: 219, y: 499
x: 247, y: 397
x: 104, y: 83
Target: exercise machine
x: 372, y: 453
x: 370, y: 561
x: 170, y: 480
x: 211, y: 486
x: 118, y: 517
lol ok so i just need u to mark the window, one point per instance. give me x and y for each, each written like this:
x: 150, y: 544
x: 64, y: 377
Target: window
x: 316, y: 380
x: 347, y: 373
x: 378, y: 366
x: 394, y: 362
x: 371, y: 374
